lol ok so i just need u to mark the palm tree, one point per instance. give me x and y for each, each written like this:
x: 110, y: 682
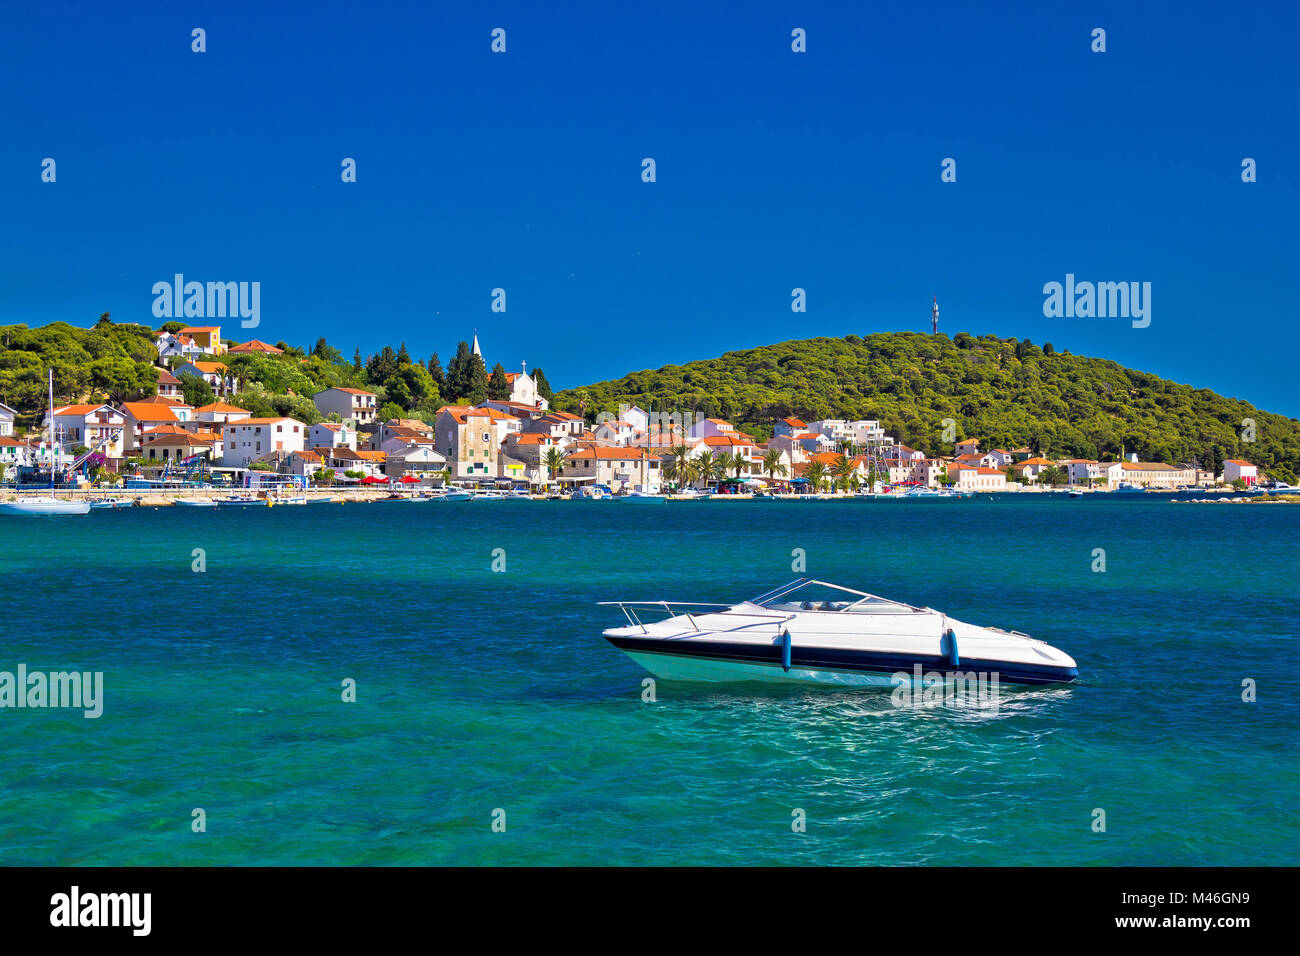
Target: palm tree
x: 691, y: 471
x: 721, y: 465
x: 553, y: 461
x: 739, y: 463
x: 679, y: 469
x: 706, y: 464
x: 843, y: 471
x: 772, y: 463
x: 816, y: 475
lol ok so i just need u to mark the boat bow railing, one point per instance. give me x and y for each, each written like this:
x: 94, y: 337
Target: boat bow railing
x: 629, y: 609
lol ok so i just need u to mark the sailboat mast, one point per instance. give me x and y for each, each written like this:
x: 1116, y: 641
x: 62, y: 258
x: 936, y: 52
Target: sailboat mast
x: 51, y: 430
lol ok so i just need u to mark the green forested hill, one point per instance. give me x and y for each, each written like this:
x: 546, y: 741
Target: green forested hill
x: 1005, y: 392
x: 114, y: 361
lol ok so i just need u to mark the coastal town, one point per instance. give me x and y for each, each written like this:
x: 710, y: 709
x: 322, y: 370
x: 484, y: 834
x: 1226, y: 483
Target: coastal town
x: 516, y: 445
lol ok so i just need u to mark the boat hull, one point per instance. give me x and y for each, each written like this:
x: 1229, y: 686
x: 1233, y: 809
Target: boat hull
x: 45, y: 508
x: 719, y: 661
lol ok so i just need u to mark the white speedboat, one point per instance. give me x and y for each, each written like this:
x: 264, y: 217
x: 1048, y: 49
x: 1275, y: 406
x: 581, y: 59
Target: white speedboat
x: 195, y: 503
x: 109, y: 503
x: 44, y: 505
x: 455, y: 494
x: 243, y: 501
x: 811, y: 631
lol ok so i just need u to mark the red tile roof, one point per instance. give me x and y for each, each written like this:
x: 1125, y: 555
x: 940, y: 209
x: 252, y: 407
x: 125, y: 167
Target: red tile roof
x: 255, y: 345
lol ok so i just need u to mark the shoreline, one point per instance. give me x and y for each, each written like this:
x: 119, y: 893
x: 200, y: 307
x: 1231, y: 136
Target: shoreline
x: 163, y: 498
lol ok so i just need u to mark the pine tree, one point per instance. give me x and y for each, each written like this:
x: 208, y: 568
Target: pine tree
x: 403, y: 356
x: 458, y: 372
x: 543, y: 386
x: 356, y: 360
x: 435, y: 372
x: 498, y: 388
x: 478, y: 380
x: 380, y: 368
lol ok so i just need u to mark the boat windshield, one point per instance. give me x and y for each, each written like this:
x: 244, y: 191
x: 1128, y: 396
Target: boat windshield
x: 819, y: 596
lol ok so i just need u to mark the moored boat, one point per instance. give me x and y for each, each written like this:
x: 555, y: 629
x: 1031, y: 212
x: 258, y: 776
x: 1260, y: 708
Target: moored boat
x: 44, y: 505
x: 815, y: 632
x: 47, y: 505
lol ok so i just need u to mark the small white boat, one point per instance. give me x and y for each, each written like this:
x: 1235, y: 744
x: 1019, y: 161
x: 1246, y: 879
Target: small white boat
x: 241, y: 502
x: 44, y: 506
x: 455, y: 494
x: 487, y: 496
x: 811, y: 631
x: 108, y: 503
x: 1076, y: 492
x: 289, y: 500
x: 195, y: 503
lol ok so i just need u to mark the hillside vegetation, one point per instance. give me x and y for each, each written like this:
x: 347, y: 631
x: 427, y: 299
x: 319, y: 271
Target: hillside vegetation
x: 1006, y: 393
x: 116, y: 362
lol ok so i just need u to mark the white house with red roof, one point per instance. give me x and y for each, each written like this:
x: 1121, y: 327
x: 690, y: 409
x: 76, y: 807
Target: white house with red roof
x: 1238, y: 468
x: 169, y: 386
x: 13, y: 452
x: 332, y: 435
x: 344, y: 459
x: 790, y: 426
x: 355, y: 403
x: 7, y: 416
x: 713, y: 428
x: 91, y: 425
x: 253, y: 438
x: 254, y: 347
x: 621, y: 469
x: 614, y: 430
x: 221, y: 412
x: 731, y: 445
x: 177, y: 344
x: 557, y: 425
x: 1030, y: 469
x: 861, y: 432
x: 1083, y: 471
x: 976, y: 460
x: 143, y: 416
x: 977, y: 478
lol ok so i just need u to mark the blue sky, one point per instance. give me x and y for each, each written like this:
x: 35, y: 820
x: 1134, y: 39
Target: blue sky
x: 775, y: 170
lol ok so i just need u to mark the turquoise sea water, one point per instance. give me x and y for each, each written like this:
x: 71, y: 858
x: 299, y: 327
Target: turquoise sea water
x: 480, y: 690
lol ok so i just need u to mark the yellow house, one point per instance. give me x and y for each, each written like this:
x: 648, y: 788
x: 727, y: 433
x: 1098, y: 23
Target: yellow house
x: 206, y: 337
